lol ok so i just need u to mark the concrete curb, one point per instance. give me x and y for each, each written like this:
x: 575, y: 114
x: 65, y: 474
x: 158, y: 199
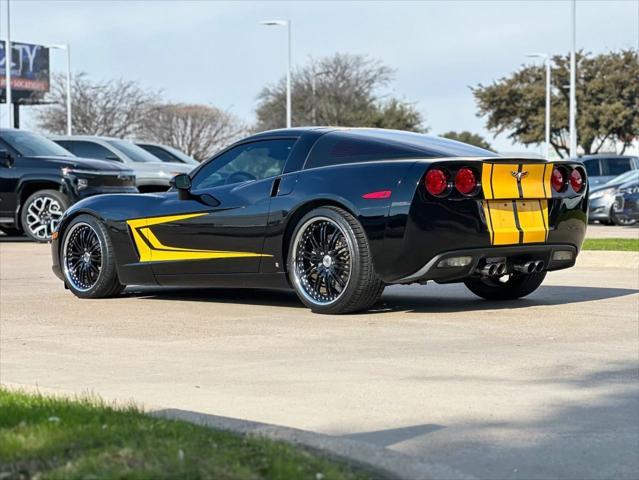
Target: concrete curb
x: 388, y: 463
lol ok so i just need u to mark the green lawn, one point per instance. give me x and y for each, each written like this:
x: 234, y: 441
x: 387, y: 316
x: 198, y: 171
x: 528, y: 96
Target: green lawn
x: 55, y: 438
x: 619, y: 244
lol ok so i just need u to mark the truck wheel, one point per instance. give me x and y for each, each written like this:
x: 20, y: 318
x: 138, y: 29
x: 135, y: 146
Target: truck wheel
x: 515, y: 286
x: 330, y: 264
x: 41, y: 214
x: 87, y: 259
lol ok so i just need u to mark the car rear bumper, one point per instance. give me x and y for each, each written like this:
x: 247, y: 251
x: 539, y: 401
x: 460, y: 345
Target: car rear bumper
x: 511, y: 255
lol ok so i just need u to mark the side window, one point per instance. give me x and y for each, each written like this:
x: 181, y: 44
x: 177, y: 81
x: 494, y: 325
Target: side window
x: 66, y: 144
x: 616, y: 166
x: 160, y: 153
x: 336, y: 149
x: 91, y: 150
x: 251, y: 161
x: 592, y: 167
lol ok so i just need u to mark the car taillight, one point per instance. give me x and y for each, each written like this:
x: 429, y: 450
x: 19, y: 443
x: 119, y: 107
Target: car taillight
x: 557, y: 180
x: 465, y: 181
x: 576, y: 180
x: 436, y: 181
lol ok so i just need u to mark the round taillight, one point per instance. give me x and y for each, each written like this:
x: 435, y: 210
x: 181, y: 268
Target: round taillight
x: 557, y: 180
x: 576, y: 180
x: 436, y: 181
x: 465, y: 181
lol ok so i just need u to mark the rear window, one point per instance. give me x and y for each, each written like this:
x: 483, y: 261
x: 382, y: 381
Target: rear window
x: 367, y: 145
x: 337, y: 149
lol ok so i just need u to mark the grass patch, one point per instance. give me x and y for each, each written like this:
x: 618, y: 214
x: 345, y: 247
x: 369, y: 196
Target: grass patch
x: 617, y: 244
x: 57, y: 438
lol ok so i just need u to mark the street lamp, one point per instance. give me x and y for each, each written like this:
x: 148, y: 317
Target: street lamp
x: 66, y: 47
x: 8, y: 64
x: 573, y: 73
x: 546, y: 58
x: 287, y: 24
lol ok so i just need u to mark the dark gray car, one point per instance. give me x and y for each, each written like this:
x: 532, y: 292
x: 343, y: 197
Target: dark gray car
x: 602, y: 198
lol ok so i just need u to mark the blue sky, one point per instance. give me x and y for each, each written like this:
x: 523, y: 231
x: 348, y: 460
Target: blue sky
x: 217, y: 53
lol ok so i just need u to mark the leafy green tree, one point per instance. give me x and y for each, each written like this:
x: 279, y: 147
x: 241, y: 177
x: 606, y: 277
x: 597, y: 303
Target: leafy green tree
x: 340, y: 90
x: 607, y: 102
x: 468, y: 137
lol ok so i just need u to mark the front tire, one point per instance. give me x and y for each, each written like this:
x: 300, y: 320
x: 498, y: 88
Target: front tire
x: 88, y: 260
x: 41, y: 214
x: 516, y: 286
x: 330, y: 263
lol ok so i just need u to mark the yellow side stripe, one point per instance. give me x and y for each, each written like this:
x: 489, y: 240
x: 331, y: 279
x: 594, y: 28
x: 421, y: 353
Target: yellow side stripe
x: 151, y: 249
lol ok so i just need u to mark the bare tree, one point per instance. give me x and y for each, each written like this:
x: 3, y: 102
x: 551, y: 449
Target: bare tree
x: 113, y: 108
x: 197, y: 130
x: 340, y: 90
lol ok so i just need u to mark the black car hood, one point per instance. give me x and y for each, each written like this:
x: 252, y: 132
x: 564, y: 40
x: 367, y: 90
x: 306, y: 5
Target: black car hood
x: 84, y: 163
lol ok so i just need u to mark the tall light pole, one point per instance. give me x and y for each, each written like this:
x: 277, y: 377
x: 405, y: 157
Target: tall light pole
x: 66, y: 47
x: 546, y: 58
x: 573, y: 100
x: 8, y: 63
x: 287, y: 24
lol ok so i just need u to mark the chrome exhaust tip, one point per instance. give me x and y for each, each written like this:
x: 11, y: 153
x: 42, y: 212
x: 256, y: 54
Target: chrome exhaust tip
x: 528, y: 267
x: 501, y: 269
x: 539, y: 266
x: 488, y: 270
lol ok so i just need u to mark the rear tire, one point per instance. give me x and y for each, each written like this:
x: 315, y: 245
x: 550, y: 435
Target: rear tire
x: 41, y: 214
x: 517, y: 286
x: 330, y: 263
x: 87, y: 259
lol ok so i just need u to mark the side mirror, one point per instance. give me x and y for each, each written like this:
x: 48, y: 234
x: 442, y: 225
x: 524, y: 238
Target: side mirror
x: 6, y: 160
x: 182, y: 183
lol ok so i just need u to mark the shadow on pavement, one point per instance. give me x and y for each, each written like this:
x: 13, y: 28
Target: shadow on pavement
x: 565, y: 437
x: 6, y: 239
x: 396, y: 300
x: 418, y: 299
x: 386, y: 438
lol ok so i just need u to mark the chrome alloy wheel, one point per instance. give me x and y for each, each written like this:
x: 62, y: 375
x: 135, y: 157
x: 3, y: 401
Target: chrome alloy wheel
x: 82, y: 256
x: 322, y: 260
x: 43, y: 216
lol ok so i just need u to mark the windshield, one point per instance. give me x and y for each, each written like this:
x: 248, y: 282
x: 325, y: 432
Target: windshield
x: 31, y: 144
x: 135, y: 153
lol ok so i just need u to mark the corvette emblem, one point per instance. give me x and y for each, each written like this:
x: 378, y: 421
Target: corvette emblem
x: 519, y: 175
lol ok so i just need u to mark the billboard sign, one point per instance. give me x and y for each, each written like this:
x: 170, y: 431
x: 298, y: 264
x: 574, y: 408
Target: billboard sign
x: 30, y: 74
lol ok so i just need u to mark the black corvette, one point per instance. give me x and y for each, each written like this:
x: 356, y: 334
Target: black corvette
x: 335, y: 214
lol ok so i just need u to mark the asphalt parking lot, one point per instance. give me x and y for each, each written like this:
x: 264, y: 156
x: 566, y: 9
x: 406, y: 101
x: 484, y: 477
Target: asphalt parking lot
x: 546, y: 387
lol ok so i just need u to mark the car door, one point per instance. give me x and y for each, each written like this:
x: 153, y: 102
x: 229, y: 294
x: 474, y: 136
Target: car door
x: 223, y: 221
x: 9, y: 180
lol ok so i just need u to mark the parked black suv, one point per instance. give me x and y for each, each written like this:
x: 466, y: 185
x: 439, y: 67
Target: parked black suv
x: 39, y: 180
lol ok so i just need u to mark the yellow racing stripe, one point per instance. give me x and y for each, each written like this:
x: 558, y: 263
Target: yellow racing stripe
x: 151, y: 249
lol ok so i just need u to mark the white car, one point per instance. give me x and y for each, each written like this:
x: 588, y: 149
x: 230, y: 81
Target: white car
x: 152, y: 175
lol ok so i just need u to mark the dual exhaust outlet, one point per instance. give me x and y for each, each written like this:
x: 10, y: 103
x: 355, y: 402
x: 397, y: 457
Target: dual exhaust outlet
x: 497, y: 269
